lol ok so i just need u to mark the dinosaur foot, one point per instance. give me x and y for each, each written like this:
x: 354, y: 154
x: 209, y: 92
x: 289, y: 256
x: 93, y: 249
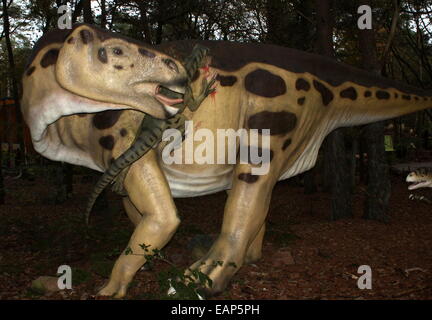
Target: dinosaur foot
x: 215, y: 268
x: 114, y: 289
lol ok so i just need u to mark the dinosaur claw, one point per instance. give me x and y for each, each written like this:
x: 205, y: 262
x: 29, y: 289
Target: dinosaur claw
x: 209, y: 92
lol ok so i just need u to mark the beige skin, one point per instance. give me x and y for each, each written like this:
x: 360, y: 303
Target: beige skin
x: 151, y: 184
x: 421, y: 178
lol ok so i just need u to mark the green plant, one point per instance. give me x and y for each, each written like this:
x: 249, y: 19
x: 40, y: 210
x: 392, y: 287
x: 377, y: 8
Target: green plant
x: 186, y: 284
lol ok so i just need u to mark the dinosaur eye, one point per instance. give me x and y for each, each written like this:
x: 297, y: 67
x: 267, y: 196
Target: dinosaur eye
x: 117, y: 51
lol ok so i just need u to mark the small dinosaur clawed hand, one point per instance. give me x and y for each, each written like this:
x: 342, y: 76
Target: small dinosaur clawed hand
x: 207, y: 88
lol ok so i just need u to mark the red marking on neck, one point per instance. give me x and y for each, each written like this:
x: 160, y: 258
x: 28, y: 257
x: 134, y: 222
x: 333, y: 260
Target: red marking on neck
x: 206, y: 71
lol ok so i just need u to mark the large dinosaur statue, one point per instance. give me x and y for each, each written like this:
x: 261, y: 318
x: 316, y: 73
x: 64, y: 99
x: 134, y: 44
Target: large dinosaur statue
x: 299, y: 97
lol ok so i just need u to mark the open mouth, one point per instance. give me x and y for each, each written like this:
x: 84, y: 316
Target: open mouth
x: 167, y: 96
x: 417, y: 185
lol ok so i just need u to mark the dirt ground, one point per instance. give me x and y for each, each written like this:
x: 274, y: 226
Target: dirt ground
x: 305, y: 255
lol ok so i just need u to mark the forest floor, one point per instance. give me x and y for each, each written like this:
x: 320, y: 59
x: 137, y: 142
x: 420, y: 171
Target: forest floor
x: 305, y: 255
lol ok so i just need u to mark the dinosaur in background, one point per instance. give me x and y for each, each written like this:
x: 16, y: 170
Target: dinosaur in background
x: 86, y: 91
x: 421, y: 178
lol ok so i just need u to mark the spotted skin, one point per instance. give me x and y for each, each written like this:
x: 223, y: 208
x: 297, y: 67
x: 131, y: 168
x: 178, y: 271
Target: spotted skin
x: 349, y: 93
x: 310, y: 96
x: 421, y: 178
x: 49, y: 58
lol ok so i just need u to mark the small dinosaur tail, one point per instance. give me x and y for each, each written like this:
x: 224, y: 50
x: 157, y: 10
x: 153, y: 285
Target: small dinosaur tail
x: 150, y: 134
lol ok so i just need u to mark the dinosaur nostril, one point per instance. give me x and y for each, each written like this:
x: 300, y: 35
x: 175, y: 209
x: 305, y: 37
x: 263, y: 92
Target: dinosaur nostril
x: 171, y: 64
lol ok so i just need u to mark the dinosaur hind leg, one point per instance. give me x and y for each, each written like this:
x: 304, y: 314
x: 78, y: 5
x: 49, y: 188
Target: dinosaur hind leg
x: 254, y: 253
x: 242, y: 229
x: 149, y: 194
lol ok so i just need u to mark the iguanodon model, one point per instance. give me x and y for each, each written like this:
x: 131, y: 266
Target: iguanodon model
x: 73, y: 75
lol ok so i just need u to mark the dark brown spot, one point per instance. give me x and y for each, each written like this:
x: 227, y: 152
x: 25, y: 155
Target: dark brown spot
x: 30, y: 70
x: 71, y: 40
x: 248, y: 178
x: 368, y: 94
x: 416, y: 98
x: 301, y: 101
x: 118, y: 67
x: 86, y: 36
x: 146, y: 53
x: 49, y: 58
x: 278, y: 122
x: 326, y: 94
x: 107, y: 142
x: 226, y: 81
x: 396, y: 95
x: 82, y: 115
x: 286, y: 144
x: 382, y: 95
x: 349, y: 93
x: 302, y: 84
x: 132, y: 65
x: 106, y: 119
x: 123, y: 132
x: 102, y: 55
x: 265, y: 84
x: 406, y: 97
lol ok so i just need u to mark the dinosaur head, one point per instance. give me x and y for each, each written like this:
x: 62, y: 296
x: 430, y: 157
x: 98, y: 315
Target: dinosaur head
x: 421, y: 178
x: 88, y: 70
x: 106, y: 67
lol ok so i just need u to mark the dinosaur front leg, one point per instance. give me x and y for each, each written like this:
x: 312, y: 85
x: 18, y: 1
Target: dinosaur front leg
x: 149, y: 194
x: 243, y: 228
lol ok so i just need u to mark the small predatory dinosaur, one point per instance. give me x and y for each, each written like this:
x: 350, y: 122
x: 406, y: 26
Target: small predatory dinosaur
x: 421, y: 178
x: 86, y: 92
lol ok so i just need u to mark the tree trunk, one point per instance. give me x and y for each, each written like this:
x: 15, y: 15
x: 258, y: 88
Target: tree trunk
x: 310, y: 186
x: 103, y: 14
x: 12, y: 77
x: 379, y: 187
x: 144, y: 24
x: 63, y: 177
x: 335, y: 153
x: 77, y: 11
x: 2, y: 189
x: 87, y: 12
x: 274, y: 12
